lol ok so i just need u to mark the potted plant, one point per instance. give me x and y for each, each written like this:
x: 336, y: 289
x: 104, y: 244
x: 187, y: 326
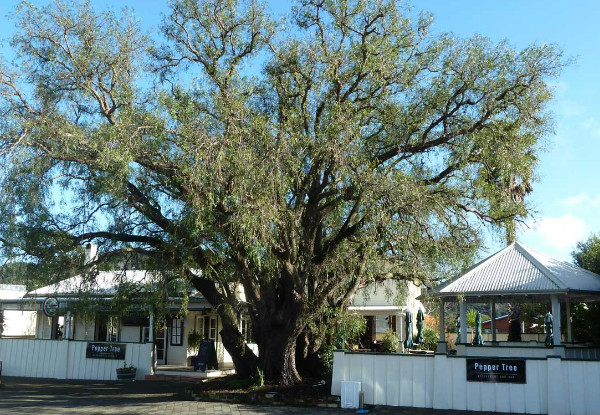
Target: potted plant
x: 126, y: 372
x: 194, y: 340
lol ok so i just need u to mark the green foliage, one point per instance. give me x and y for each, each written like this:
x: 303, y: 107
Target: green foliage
x: 586, y: 316
x: 345, y: 333
x: 194, y: 340
x: 1, y: 322
x: 348, y: 328
x: 587, y: 254
x: 391, y: 342
x: 532, y: 314
x: 259, y: 377
x: 471, y: 316
x: 366, y: 149
x: 431, y: 338
x: 326, y: 362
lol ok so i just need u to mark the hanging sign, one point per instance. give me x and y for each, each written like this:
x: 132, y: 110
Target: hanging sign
x: 496, y: 370
x: 105, y: 351
x: 50, y: 307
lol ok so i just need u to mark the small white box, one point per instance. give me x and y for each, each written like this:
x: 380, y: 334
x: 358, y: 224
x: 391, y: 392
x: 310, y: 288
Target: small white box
x: 350, y: 394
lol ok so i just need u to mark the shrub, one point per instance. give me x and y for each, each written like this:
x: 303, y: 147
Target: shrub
x: 391, y: 342
x: 431, y: 337
x: 194, y: 340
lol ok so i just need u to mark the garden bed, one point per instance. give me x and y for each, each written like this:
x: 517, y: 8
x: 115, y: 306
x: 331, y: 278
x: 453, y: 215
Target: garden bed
x: 235, y: 389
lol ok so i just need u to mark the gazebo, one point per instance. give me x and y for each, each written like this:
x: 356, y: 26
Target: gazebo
x: 518, y: 274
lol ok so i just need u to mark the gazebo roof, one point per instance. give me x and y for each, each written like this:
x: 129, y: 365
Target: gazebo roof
x: 520, y: 271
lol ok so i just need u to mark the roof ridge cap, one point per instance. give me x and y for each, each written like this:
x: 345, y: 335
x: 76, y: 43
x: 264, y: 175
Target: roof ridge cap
x: 469, y: 270
x: 524, y: 250
x: 566, y: 263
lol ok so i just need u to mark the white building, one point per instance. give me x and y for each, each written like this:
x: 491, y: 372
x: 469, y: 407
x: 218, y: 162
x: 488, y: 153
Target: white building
x: 384, y: 306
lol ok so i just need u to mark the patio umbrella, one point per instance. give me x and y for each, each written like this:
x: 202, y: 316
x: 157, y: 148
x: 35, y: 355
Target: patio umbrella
x: 420, y: 319
x: 549, y: 331
x: 408, y: 342
x: 478, y: 339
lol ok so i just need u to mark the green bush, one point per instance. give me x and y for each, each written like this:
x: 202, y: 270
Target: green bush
x: 348, y: 328
x: 194, y: 340
x: 391, y: 342
x: 431, y: 337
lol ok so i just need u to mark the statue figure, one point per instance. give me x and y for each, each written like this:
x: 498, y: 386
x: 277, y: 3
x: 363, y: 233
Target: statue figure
x: 458, y: 330
x: 420, y: 319
x: 408, y: 342
x: 549, y: 331
x: 478, y: 339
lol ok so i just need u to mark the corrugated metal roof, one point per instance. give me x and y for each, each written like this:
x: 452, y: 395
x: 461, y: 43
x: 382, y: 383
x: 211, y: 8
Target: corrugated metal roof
x: 103, y: 283
x: 11, y: 291
x: 518, y: 269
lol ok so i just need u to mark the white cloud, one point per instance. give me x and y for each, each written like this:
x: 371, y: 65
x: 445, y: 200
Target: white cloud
x: 556, y: 236
x: 582, y: 199
x: 563, y: 232
x: 574, y: 201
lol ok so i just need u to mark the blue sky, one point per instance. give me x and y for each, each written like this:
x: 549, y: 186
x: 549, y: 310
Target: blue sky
x: 566, y: 199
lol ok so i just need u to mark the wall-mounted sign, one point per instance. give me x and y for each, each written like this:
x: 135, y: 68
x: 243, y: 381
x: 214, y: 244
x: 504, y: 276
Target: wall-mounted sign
x: 50, y: 307
x: 496, y: 370
x: 105, y: 351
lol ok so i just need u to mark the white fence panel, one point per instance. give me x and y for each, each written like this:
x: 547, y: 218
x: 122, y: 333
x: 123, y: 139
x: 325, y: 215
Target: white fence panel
x: 553, y: 385
x: 62, y: 359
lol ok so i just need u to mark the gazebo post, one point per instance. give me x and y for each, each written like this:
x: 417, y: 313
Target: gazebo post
x: 67, y: 335
x: 442, y: 347
x: 569, y: 334
x: 400, y: 330
x: 151, y: 328
x: 556, y: 319
x: 463, y: 321
x: 442, y: 322
x: 493, y: 307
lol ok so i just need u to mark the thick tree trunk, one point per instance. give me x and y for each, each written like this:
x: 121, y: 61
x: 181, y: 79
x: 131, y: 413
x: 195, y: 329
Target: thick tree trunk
x: 278, y: 358
x: 244, y: 359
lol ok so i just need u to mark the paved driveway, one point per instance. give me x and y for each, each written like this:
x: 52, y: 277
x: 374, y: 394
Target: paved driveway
x: 53, y: 397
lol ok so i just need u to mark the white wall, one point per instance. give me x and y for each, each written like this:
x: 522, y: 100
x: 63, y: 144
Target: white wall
x: 43, y: 326
x: 129, y: 334
x: 63, y: 359
x: 382, y: 294
x: 554, y: 386
x: 178, y: 355
x: 19, y: 323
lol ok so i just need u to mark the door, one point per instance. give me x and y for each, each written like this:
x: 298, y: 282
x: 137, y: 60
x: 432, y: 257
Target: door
x: 160, y: 340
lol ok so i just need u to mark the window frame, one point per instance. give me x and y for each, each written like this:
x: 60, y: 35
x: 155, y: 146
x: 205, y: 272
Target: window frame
x: 176, y: 337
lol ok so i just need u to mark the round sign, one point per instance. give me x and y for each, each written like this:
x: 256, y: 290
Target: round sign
x: 50, y: 306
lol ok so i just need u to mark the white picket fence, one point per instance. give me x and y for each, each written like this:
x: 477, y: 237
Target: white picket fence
x: 62, y: 359
x: 554, y: 386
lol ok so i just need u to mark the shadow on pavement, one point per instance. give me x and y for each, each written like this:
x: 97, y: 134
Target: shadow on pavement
x: 28, y: 392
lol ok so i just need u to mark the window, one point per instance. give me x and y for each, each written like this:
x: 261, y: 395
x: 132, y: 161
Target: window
x: 246, y: 330
x: 176, y: 332
x: 385, y: 323
x: 210, y: 328
x: 112, y: 330
x: 107, y: 329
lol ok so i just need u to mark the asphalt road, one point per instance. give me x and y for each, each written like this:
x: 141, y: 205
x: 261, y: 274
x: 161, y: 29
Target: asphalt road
x: 54, y: 397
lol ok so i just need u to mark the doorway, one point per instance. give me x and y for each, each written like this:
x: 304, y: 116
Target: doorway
x: 160, y: 340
